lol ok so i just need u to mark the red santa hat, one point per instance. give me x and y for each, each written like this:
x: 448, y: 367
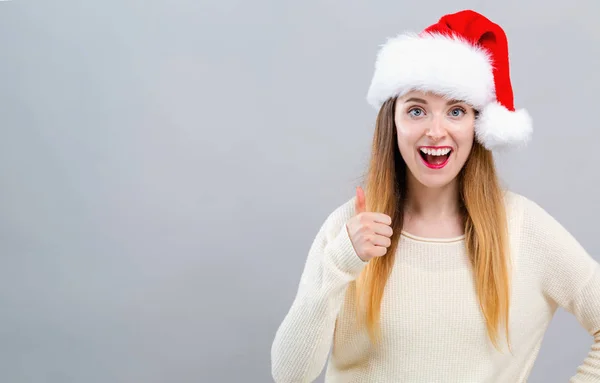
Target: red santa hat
x: 463, y: 56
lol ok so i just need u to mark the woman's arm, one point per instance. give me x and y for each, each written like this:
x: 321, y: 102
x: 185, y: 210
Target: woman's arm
x: 570, y: 278
x: 585, y: 305
x: 303, y: 340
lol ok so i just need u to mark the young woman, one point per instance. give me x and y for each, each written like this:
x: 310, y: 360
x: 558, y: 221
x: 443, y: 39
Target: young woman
x: 433, y: 273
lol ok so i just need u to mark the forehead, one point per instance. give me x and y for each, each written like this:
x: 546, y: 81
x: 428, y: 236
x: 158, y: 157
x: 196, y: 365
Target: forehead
x: 430, y: 98
x: 424, y: 95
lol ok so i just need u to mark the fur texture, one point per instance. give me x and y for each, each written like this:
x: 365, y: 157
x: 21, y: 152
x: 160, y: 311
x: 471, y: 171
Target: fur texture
x: 432, y: 62
x: 498, y: 128
x: 448, y: 65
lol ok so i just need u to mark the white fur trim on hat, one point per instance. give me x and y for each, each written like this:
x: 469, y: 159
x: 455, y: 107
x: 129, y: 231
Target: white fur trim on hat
x: 454, y: 68
x: 437, y: 63
x: 498, y: 128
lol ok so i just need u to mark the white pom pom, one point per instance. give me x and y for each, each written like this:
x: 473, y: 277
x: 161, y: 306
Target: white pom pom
x: 498, y: 128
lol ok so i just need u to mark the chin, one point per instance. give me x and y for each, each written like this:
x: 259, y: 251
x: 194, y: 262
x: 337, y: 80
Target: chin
x: 434, y: 178
x: 436, y: 181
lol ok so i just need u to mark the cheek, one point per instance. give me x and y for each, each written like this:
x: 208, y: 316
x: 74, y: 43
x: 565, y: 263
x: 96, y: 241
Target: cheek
x: 464, y: 140
x: 404, y: 149
x: 407, y: 139
x: 463, y: 134
x: 408, y: 132
x: 401, y: 127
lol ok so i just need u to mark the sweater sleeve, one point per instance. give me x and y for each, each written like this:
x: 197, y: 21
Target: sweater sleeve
x: 304, y: 338
x: 570, y: 279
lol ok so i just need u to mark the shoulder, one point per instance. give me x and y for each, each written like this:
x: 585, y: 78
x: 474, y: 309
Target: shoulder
x: 524, y: 212
x: 536, y: 233
x: 547, y: 247
x: 518, y: 202
x: 531, y: 223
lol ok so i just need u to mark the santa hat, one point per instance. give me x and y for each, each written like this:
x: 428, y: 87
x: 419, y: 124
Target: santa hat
x: 464, y: 56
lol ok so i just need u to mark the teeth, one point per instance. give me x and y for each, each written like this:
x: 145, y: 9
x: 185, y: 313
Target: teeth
x: 436, y: 152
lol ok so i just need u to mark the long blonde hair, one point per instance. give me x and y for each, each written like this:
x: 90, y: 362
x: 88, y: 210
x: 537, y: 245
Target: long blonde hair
x: 485, y: 227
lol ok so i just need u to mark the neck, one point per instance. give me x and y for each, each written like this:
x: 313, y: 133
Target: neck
x: 432, y: 203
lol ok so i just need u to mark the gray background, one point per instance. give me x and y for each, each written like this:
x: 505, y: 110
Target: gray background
x: 166, y: 165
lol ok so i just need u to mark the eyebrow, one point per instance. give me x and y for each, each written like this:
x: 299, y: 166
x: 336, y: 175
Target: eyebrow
x: 420, y: 100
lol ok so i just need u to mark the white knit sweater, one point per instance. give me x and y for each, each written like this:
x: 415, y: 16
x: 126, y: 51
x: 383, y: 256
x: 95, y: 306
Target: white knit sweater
x: 432, y: 328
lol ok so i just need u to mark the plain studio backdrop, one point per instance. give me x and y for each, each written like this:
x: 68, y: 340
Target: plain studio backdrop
x: 166, y: 165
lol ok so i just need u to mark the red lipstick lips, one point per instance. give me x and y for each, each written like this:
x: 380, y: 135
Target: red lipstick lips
x: 435, y: 157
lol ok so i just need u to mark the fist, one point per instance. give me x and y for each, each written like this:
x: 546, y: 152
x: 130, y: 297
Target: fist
x: 370, y: 233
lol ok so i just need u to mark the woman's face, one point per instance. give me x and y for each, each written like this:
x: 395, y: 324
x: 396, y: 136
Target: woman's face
x: 435, y: 136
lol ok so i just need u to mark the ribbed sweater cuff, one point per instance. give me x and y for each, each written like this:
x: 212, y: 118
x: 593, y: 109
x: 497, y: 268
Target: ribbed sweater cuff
x: 343, y: 255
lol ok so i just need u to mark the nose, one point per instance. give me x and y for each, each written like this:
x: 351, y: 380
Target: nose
x: 436, y: 130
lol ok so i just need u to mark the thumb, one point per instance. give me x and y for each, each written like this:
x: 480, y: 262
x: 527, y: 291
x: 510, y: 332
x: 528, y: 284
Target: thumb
x: 360, y: 203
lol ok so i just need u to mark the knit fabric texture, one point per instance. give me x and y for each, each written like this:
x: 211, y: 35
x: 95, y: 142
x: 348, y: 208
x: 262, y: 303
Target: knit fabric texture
x: 431, y: 324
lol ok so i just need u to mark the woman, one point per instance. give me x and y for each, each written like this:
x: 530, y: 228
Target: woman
x: 434, y: 273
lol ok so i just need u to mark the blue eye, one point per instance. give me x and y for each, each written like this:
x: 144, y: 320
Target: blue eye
x: 457, y: 112
x: 416, y: 112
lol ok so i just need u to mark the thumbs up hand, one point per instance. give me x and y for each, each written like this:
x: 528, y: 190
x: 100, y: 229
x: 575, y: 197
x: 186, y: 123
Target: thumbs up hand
x: 369, y: 232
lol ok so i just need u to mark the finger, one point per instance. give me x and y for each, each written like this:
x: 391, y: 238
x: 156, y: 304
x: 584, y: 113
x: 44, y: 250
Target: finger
x: 380, y: 240
x: 382, y: 229
x: 360, y: 203
x: 377, y: 217
x: 378, y: 251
